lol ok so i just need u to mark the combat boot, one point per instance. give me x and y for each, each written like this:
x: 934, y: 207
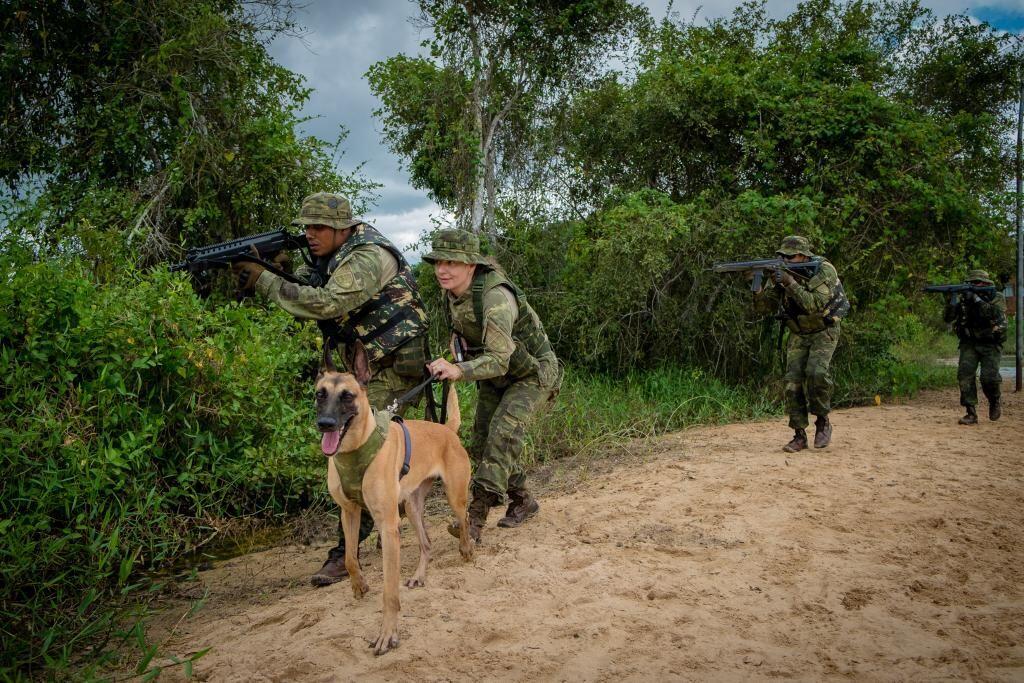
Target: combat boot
x: 822, y: 432
x: 521, y: 507
x: 333, y: 570
x: 995, y: 411
x: 971, y: 418
x: 479, y: 507
x: 798, y: 443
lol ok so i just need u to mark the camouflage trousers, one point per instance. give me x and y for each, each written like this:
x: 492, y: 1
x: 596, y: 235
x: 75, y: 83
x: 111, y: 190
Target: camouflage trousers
x: 385, y: 386
x: 971, y: 356
x: 809, y: 375
x: 503, y: 413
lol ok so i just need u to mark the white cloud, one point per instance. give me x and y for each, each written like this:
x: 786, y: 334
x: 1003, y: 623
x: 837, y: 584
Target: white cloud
x: 406, y: 228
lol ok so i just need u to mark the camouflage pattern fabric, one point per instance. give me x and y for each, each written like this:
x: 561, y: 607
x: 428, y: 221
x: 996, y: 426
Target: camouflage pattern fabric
x: 510, y: 359
x: 980, y: 323
x: 793, y: 245
x: 809, y: 375
x: 978, y: 319
x: 971, y: 356
x: 503, y: 412
x: 326, y: 208
x: 384, y: 387
x: 504, y: 333
x: 805, y: 303
x: 351, y: 278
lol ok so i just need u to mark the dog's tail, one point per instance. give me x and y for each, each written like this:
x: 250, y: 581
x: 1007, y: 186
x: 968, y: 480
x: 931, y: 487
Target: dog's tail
x: 452, y: 411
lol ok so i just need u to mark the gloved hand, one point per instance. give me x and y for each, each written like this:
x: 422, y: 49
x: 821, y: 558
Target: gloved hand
x: 783, y: 277
x: 247, y: 273
x: 970, y: 296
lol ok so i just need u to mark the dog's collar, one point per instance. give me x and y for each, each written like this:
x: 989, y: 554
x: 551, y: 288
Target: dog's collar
x: 351, y: 465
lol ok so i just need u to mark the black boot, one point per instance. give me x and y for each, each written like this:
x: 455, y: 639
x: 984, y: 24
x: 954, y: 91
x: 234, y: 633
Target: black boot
x: 798, y: 443
x: 995, y: 407
x: 971, y: 418
x: 521, y: 507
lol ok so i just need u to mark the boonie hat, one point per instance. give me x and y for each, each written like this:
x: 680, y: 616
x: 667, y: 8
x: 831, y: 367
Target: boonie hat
x: 455, y: 245
x: 326, y: 208
x: 978, y: 275
x: 793, y: 245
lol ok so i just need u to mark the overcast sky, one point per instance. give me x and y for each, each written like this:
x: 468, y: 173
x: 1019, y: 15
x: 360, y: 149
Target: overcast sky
x: 344, y: 37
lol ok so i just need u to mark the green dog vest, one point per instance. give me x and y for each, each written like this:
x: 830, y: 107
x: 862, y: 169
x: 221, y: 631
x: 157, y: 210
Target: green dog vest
x: 351, y: 465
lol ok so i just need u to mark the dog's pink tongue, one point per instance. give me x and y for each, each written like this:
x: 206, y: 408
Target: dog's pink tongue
x: 329, y: 442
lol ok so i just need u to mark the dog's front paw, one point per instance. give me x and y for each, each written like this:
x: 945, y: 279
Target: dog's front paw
x: 388, y: 640
x: 359, y: 587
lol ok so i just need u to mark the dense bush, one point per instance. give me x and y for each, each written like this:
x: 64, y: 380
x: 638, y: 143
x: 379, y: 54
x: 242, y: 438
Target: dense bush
x: 135, y: 417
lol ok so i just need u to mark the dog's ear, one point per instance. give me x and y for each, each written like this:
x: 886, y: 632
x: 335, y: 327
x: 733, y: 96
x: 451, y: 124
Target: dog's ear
x: 360, y: 363
x: 328, y: 362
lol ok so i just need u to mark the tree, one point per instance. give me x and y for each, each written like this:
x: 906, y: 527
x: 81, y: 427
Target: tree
x: 493, y: 63
x: 148, y: 124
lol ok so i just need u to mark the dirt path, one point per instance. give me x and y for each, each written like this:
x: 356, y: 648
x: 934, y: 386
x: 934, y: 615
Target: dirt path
x: 894, y: 555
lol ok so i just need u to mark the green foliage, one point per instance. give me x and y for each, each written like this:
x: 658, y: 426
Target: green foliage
x: 465, y: 120
x: 149, y: 124
x: 841, y: 122
x: 646, y: 403
x: 134, y: 418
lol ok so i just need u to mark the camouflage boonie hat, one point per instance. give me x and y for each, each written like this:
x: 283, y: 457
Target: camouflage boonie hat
x: 793, y: 245
x: 325, y: 208
x: 455, y: 245
x: 978, y: 275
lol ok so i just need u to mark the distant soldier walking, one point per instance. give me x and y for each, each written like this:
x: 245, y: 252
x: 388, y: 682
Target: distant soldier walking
x: 806, y: 305
x: 979, y: 320
x: 508, y: 355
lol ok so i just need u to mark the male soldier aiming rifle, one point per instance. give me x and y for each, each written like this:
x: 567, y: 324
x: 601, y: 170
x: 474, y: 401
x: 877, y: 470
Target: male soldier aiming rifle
x: 362, y: 289
x: 979, y: 319
x: 805, y: 305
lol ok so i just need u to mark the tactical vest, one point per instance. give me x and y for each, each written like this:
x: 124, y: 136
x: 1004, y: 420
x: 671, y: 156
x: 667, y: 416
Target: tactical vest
x: 972, y: 326
x: 392, y: 317
x: 531, y: 342
x: 800, y: 321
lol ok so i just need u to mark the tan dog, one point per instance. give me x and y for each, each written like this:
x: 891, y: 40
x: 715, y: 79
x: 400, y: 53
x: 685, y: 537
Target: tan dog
x: 348, y: 426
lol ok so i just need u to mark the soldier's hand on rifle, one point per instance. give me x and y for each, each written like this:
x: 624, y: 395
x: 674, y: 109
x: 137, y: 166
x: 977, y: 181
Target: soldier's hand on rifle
x: 970, y: 296
x: 247, y: 273
x: 783, y: 277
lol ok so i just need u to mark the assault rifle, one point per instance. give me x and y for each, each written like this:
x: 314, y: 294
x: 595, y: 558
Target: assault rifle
x: 805, y: 269
x: 266, y: 245
x: 956, y: 290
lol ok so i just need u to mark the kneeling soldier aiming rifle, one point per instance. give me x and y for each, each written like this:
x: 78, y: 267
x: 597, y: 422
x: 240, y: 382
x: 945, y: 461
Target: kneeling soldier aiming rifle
x: 808, y: 298
x: 979, y: 319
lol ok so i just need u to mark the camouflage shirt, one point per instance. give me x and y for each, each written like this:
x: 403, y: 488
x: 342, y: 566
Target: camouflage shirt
x: 803, y: 302
x: 354, y: 282
x: 497, y: 346
x: 981, y: 320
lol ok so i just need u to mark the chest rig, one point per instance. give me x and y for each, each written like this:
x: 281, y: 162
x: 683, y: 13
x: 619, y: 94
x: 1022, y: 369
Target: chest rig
x: 531, y: 342
x: 392, y: 317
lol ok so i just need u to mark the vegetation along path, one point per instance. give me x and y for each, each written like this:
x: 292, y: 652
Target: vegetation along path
x: 709, y: 553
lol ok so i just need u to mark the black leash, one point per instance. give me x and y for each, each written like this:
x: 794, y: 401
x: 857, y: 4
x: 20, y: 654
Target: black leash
x: 431, y: 408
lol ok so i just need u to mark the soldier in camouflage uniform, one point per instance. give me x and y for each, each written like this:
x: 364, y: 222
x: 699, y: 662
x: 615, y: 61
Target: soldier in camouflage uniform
x: 806, y: 305
x: 359, y: 288
x: 508, y: 355
x: 980, y: 322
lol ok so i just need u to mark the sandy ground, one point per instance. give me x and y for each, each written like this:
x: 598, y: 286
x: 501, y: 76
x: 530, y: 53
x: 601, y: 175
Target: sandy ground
x: 896, y: 554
